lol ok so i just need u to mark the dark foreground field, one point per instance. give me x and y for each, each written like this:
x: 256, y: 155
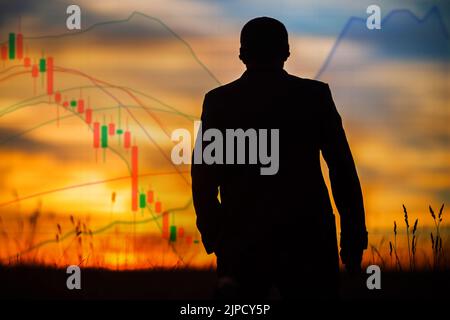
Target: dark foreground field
x: 47, y: 283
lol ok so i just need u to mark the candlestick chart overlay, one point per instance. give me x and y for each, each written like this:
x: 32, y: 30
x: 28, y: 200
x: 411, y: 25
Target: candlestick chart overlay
x: 123, y: 128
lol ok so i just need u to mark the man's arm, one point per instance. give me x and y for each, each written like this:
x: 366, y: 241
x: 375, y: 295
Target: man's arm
x: 345, y: 184
x: 205, y: 186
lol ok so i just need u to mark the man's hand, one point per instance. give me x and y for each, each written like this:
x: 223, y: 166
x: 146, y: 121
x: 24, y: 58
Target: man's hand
x: 352, y: 261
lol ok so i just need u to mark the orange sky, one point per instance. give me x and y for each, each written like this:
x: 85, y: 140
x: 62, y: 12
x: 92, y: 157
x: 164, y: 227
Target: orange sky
x: 46, y: 147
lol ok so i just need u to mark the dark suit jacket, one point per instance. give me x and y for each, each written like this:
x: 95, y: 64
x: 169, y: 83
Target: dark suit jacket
x: 291, y: 211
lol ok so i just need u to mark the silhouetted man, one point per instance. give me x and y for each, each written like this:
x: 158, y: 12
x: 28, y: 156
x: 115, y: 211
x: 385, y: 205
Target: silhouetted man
x: 276, y: 234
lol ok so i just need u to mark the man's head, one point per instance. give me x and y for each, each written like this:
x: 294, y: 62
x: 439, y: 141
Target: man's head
x: 264, y: 42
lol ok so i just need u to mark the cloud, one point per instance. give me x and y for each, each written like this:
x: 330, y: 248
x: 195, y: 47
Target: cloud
x: 39, y: 16
x: 10, y: 11
x: 13, y: 139
x: 318, y: 17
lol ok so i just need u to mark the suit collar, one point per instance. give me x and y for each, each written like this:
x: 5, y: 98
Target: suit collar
x: 249, y: 73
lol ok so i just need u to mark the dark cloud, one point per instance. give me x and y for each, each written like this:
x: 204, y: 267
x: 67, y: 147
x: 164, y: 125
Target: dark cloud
x: 13, y: 139
x: 425, y: 139
x: 403, y: 35
x: 48, y: 18
x: 47, y: 12
x: 443, y: 193
x: 11, y: 10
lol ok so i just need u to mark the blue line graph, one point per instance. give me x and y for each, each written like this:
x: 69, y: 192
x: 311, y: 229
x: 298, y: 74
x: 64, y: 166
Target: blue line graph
x: 351, y: 20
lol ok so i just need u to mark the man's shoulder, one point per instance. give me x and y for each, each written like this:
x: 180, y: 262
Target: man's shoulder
x: 293, y: 81
x: 223, y: 89
x: 308, y: 83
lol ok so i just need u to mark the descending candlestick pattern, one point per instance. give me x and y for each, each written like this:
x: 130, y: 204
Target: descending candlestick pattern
x: 105, y: 137
x: 142, y: 202
x: 34, y: 71
x: 112, y: 129
x: 57, y: 97
x: 102, y: 132
x: 4, y: 52
x: 134, y: 177
x: 42, y: 65
x: 165, y: 225
x: 150, y: 197
x: 88, y: 118
x: 80, y: 106
x: 158, y: 206
x: 127, y: 139
x: 173, y: 233
x: 19, y: 45
x: 12, y: 46
x: 96, y: 135
x: 180, y: 232
x: 50, y: 76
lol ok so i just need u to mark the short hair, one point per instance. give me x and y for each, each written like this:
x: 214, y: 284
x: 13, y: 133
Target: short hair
x: 264, y: 39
